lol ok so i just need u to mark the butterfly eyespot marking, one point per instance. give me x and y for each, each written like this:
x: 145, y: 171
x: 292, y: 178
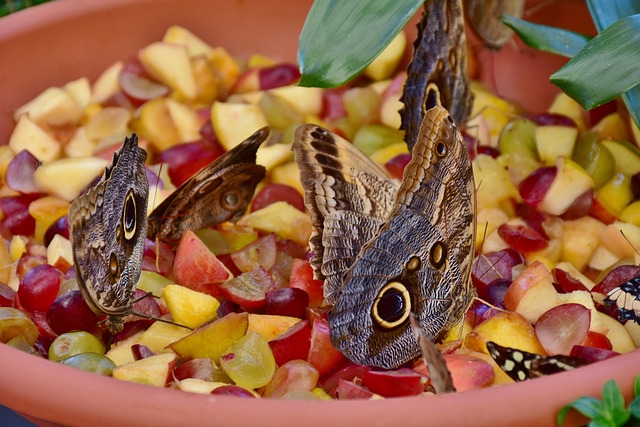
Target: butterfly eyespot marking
x: 230, y: 199
x: 414, y: 263
x: 432, y: 97
x: 438, y: 255
x: 441, y: 149
x: 392, y: 306
x: 114, y: 268
x: 129, y: 216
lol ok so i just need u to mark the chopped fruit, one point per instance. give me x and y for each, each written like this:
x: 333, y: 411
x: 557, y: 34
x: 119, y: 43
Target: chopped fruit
x: 531, y: 294
x: 76, y: 173
x: 195, y: 45
x: 555, y: 141
x: 53, y: 107
x: 122, y: 353
x: 496, y: 184
x: 195, y: 265
x: 522, y: 238
x: 270, y: 326
x: 249, y: 289
x: 259, y: 253
x: 160, y: 335
x: 322, y: 354
x: 282, y: 219
x: 72, y: 343
x: 386, y: 62
x: 595, y: 158
x: 213, y: 339
x: 507, y: 328
x: 302, y: 278
x: 233, y: 122
x: 27, y: 135
x: 562, y: 327
x: 570, y: 183
x: 39, y: 288
x: 272, y: 193
x: 13, y: 323
x: 169, y: 63
x: 469, y: 371
x: 189, y: 308
x: 69, y: 312
x: 294, y: 375
x: 287, y: 302
x: 154, y: 370
x: 292, y: 344
x: 249, y: 361
x: 616, y: 194
x: 580, y: 239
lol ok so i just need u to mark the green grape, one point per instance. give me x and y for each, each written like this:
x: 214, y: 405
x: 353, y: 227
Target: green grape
x: 92, y: 362
x: 72, y: 343
x: 249, y: 361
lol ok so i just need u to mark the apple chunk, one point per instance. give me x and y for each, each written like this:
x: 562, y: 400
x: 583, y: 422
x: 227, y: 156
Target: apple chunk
x: 532, y: 293
x: 154, y: 370
x: 169, y: 63
x: 233, y: 122
x: 195, y: 265
x: 570, y: 183
x: 188, y: 307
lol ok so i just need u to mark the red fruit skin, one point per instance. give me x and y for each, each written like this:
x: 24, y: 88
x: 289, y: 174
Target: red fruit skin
x: 19, y: 173
x: 533, y: 217
x: 349, y: 373
x: 141, y: 351
x: 7, y: 296
x: 322, y: 354
x: 601, y: 212
x: 292, y: 344
x: 291, y: 248
x: 272, y: 193
x: 493, y: 266
x: 137, y: 85
x: 16, y: 216
x: 60, y: 226
x: 145, y: 305
x: 291, y: 302
x: 332, y: 104
x: 184, y: 160
x: 157, y: 257
x: 616, y: 277
x: 534, y: 187
x: 70, y: 312
x: 39, y: 288
x: 249, y: 289
x: 195, y: 265
x: 592, y: 354
x: 580, y: 206
x: 471, y: 142
x: 488, y: 151
x: 396, y: 165
x: 302, y: 277
x: 468, y: 372
x: 200, y: 368
x: 232, y: 390
x: 522, y: 238
x: 598, y: 340
x: 551, y: 119
x: 598, y: 113
x: 278, y: 75
x: 40, y: 319
x: 348, y: 390
x: 560, y: 328
x: 565, y: 282
x: 401, y: 382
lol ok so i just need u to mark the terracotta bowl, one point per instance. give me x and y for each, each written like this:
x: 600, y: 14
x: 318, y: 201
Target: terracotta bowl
x: 60, y: 41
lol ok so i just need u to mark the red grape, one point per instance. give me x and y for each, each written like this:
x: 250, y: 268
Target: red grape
x: 522, y: 238
x: 16, y: 216
x: 39, y: 288
x: 60, y: 226
x: 396, y: 165
x: 232, y: 390
x: 141, y: 351
x: 488, y: 151
x: 332, y: 105
x: 551, y: 119
x: 7, y: 296
x: 69, y: 312
x: 19, y: 174
x: 287, y: 302
x: 278, y: 75
x: 598, y: 113
x: 184, y: 160
x: 534, y: 187
x: 272, y: 193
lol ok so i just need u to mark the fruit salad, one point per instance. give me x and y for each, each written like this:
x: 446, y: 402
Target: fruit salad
x: 558, y: 228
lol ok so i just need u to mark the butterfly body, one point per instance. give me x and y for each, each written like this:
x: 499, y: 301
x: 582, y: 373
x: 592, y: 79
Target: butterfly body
x: 409, y: 251
x: 108, y: 225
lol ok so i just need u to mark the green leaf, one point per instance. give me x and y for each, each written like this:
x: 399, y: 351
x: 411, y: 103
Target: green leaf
x: 606, y: 12
x: 588, y: 406
x: 341, y: 37
x: 634, y: 408
x: 636, y: 387
x: 606, y: 67
x: 550, y: 39
x: 612, y: 396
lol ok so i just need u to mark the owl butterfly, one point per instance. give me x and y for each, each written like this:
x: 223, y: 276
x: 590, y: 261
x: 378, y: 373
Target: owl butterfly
x: 108, y: 226
x: 484, y: 17
x: 521, y: 365
x: 439, y: 64
x: 626, y: 298
x: 219, y: 192
x: 387, y: 249
x: 109, y: 223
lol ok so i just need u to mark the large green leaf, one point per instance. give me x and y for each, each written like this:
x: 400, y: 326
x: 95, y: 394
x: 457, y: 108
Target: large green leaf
x: 606, y: 67
x: 542, y: 37
x: 605, y: 13
x: 341, y: 37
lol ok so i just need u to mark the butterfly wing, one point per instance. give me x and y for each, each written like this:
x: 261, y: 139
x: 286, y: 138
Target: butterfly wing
x: 420, y: 259
x: 108, y: 227
x: 221, y: 191
x: 348, y: 197
x: 440, y: 62
x: 627, y: 298
x: 484, y: 17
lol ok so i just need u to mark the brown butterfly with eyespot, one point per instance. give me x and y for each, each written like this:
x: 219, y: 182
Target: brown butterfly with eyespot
x: 388, y: 249
x: 108, y: 224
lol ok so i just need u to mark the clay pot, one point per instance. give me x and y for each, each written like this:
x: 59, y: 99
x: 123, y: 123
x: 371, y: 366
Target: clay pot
x: 60, y: 41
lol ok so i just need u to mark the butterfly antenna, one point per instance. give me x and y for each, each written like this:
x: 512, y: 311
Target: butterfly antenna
x: 630, y: 243
x: 159, y: 319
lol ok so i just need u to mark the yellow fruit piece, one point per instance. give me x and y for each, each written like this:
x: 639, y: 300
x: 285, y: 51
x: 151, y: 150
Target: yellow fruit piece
x: 494, y: 111
x: 150, y: 281
x: 27, y: 135
x: 555, y: 141
x: 156, y: 124
x: 581, y: 237
x: 282, y: 219
x: 612, y: 126
x: 170, y: 64
x: 385, y: 64
x: 121, y: 353
x: 566, y: 106
x: 488, y: 220
x: 269, y: 326
x: 153, y: 370
x: 631, y: 213
x: 107, y: 84
x: 500, y: 377
x: 226, y: 68
x: 6, y: 155
x: 79, y: 145
x: 54, y: 107
x: 507, y: 329
x: 108, y: 121
x: 304, y: 100
x: 620, y: 339
x: 236, y: 238
x: 626, y: 156
x: 80, y: 91
x: 46, y: 210
x: 288, y: 174
x: 622, y: 239
x: 188, y: 307
x: 195, y: 45
x: 385, y: 154
x: 493, y: 183
x: 198, y: 386
x: 5, y: 262
x: 570, y: 183
x: 258, y: 60
x: 458, y: 331
x: 17, y: 247
x: 233, y: 123
x: 273, y: 155
x: 602, y: 259
x: 59, y: 248
x: 66, y: 178
x: 213, y: 339
x: 206, y: 80
x: 160, y: 334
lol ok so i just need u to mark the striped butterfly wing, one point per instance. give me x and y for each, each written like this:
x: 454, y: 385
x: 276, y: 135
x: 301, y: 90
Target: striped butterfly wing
x: 626, y: 298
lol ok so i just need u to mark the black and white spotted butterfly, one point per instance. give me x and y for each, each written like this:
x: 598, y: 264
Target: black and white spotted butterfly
x: 627, y: 299
x: 521, y: 365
